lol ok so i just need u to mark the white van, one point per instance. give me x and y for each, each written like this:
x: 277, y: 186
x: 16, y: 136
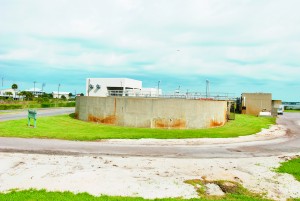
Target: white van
x: 280, y: 110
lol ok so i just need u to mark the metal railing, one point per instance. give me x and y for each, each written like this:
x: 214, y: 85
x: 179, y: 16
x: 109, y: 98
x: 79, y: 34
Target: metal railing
x: 188, y: 95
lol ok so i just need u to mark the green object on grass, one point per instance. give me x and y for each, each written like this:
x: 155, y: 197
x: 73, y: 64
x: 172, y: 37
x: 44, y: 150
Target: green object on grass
x: 32, y: 115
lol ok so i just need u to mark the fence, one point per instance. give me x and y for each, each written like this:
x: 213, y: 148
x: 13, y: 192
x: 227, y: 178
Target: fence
x: 188, y: 95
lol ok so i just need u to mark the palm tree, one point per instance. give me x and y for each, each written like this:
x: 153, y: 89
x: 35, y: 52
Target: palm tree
x: 14, y: 87
x: 28, y: 95
x: 63, y: 97
x: 8, y: 93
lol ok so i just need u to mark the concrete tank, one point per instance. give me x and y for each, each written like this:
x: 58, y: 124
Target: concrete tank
x: 152, y: 112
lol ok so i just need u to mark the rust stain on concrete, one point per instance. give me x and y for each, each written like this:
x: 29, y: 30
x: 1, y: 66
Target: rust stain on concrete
x: 214, y: 123
x: 76, y: 115
x: 169, y: 123
x: 111, y: 119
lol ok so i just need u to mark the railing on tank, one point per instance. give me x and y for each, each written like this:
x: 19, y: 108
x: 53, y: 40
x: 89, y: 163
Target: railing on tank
x: 188, y: 95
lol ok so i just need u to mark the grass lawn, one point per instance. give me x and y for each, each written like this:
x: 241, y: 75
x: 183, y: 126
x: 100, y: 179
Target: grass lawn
x: 42, y: 195
x: 291, y: 167
x: 291, y: 110
x: 66, y: 127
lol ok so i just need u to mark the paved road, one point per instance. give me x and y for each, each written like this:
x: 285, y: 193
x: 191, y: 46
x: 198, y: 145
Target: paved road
x: 6, y: 115
x: 287, y: 144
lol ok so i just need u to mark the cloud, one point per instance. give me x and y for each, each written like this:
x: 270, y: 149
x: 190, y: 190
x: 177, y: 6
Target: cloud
x: 167, y: 39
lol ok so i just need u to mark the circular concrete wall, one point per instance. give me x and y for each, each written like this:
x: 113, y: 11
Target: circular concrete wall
x: 152, y: 112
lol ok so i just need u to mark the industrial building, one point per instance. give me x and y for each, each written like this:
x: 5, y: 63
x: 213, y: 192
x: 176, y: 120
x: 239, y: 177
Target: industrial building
x: 104, y: 87
x: 254, y: 103
x: 10, y: 93
x: 35, y: 91
x: 124, y: 102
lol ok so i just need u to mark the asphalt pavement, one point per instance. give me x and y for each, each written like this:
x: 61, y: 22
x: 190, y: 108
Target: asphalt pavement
x: 6, y: 115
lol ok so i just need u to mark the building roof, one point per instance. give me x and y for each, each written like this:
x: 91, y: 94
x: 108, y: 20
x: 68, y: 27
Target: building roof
x: 257, y: 93
x: 9, y: 89
x: 61, y: 92
x: 34, y: 89
x: 119, y: 78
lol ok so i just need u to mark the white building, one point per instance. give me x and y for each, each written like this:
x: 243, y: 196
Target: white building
x: 5, y: 92
x: 35, y: 91
x: 118, y: 87
x: 56, y: 94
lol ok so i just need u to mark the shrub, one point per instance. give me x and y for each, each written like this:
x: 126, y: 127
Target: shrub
x: 66, y: 104
x: 10, y: 106
x: 46, y: 105
x: 34, y: 106
x: 70, y: 104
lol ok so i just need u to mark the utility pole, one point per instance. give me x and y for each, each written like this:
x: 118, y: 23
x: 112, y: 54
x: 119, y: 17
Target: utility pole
x: 34, y: 88
x: 58, y: 91
x: 158, y: 88
x: 207, y: 88
x: 44, y: 84
x: 123, y: 93
x: 2, y: 82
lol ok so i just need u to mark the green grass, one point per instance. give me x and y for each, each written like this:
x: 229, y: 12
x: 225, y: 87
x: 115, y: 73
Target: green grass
x: 42, y: 195
x: 66, y: 127
x: 292, y: 111
x: 231, y: 190
x: 5, y: 112
x: 291, y: 167
x: 23, y: 105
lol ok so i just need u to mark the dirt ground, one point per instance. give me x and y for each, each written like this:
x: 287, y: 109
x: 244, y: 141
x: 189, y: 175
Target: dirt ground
x: 140, y: 176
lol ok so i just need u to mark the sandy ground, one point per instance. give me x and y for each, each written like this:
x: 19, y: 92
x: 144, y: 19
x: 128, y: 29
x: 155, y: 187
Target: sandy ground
x: 140, y: 176
x: 149, y: 177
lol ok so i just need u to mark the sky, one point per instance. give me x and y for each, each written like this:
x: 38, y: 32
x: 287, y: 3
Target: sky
x: 238, y: 45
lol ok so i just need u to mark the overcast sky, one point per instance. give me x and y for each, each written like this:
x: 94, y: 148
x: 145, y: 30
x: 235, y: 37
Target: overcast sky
x: 238, y: 45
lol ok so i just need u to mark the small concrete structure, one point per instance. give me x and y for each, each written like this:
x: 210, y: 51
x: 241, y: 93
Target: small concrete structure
x: 254, y: 103
x: 276, y: 103
x: 276, y: 106
x: 152, y: 112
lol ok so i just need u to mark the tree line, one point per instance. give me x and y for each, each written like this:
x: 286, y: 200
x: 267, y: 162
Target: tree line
x: 27, y: 95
